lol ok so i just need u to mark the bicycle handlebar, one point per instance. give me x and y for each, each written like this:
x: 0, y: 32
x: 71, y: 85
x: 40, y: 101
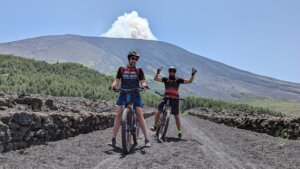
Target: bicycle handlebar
x: 167, y: 96
x: 126, y: 90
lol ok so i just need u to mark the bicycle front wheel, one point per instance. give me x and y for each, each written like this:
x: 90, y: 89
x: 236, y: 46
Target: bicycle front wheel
x: 126, y: 133
x: 136, y: 133
x: 164, y: 123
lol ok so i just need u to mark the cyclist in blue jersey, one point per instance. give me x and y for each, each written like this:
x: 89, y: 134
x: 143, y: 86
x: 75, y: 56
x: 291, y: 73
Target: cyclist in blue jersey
x: 130, y: 77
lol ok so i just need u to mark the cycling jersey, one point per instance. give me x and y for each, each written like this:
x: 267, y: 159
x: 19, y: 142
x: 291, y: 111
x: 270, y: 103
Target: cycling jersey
x: 130, y: 79
x: 172, y: 86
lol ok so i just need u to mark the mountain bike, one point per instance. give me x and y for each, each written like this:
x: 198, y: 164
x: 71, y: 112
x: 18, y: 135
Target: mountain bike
x: 164, y: 118
x: 130, y: 126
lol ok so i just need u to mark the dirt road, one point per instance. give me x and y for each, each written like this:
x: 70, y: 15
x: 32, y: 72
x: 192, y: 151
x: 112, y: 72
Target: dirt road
x: 204, y: 145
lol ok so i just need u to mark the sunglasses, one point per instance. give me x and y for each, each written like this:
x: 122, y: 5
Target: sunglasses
x: 132, y: 58
x: 172, y: 71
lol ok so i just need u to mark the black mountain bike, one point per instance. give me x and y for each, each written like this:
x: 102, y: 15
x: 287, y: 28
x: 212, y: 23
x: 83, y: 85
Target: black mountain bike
x: 164, y: 118
x: 130, y: 126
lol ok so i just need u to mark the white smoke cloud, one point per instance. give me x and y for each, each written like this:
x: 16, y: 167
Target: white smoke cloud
x: 130, y: 26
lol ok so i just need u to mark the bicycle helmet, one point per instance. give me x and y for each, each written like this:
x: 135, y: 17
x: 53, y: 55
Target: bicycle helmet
x: 133, y: 53
x: 172, y: 68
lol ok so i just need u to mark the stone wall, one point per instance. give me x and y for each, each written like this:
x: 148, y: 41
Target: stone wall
x: 286, y: 127
x: 27, y: 120
x: 24, y: 129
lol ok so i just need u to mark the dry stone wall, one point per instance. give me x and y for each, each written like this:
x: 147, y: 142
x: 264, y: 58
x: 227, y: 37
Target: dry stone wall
x: 33, y: 120
x: 286, y: 127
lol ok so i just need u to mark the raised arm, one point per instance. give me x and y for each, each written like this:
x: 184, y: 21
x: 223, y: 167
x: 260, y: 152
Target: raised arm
x: 194, y: 71
x: 157, y: 77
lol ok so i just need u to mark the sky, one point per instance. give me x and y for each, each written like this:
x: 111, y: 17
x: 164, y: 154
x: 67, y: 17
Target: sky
x: 259, y: 36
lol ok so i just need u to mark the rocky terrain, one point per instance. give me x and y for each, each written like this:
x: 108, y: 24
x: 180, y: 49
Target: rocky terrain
x: 27, y: 120
x: 286, y: 127
x: 205, y: 144
x: 50, y: 123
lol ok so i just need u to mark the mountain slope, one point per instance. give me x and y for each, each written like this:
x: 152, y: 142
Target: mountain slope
x: 214, y: 79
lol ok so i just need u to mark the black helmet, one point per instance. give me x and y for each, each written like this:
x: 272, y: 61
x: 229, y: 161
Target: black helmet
x: 133, y: 53
x: 172, y: 68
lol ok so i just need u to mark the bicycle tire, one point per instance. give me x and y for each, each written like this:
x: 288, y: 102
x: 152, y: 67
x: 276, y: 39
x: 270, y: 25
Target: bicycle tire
x: 164, y: 123
x: 136, y: 134
x: 126, y: 134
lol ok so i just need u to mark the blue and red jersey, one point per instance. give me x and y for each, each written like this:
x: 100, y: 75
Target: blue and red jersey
x: 130, y: 77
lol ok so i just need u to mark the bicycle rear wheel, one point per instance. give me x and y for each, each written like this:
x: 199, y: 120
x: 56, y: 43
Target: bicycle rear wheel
x: 126, y: 133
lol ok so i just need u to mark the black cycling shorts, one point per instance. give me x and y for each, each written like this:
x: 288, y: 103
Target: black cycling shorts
x: 174, y: 106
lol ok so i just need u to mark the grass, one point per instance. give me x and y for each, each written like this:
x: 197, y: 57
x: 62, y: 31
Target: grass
x: 289, y: 108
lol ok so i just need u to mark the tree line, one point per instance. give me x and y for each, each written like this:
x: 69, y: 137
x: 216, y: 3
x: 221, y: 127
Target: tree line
x: 20, y: 75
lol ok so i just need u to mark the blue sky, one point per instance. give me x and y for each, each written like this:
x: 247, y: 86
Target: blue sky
x: 260, y: 36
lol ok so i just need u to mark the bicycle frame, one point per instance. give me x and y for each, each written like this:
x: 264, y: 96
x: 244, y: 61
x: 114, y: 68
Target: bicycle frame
x: 129, y: 123
x: 133, y: 121
x: 163, y: 122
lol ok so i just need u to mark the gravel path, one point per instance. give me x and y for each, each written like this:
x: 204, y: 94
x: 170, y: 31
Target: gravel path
x: 204, y: 145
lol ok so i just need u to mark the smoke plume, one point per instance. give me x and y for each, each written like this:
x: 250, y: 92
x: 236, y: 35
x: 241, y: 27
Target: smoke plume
x: 130, y: 26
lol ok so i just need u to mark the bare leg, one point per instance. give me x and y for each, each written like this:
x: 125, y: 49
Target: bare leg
x: 141, y: 119
x: 178, y: 123
x: 156, y: 118
x: 117, y: 122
